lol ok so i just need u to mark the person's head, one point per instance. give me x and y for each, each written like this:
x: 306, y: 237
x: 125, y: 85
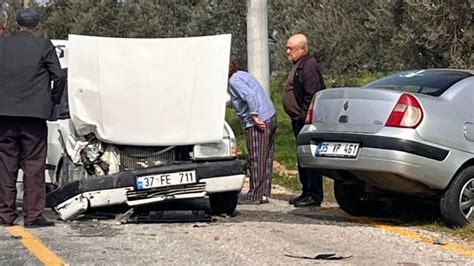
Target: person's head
x: 27, y: 20
x: 296, y: 47
x: 3, y: 22
x: 233, y: 67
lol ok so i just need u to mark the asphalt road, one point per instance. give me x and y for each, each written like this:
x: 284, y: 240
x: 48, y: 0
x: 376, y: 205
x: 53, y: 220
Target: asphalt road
x: 274, y: 233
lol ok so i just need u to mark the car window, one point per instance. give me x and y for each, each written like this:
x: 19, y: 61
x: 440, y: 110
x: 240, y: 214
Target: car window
x: 430, y: 82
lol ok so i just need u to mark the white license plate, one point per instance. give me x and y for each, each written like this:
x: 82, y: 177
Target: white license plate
x: 165, y: 180
x: 337, y: 149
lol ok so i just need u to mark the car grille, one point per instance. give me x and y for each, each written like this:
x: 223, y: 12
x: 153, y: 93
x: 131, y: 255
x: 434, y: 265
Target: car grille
x: 166, y: 191
x: 132, y: 157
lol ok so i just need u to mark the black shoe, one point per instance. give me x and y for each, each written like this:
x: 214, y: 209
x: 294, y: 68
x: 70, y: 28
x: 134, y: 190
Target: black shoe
x: 5, y: 223
x: 40, y: 222
x: 307, y: 202
x: 294, y: 200
x: 249, y: 202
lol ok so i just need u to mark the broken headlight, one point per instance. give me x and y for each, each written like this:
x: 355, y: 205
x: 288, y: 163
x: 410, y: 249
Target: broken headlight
x: 90, y: 157
x: 93, y: 151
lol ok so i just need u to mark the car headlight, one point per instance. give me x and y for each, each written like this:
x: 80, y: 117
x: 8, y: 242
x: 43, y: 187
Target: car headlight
x: 93, y: 151
x: 227, y: 148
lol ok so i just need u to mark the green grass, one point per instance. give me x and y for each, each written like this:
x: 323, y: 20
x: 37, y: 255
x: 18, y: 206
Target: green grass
x: 290, y: 182
x: 413, y: 213
x: 466, y: 233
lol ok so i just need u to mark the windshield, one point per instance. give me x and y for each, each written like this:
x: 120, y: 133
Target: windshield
x: 430, y: 82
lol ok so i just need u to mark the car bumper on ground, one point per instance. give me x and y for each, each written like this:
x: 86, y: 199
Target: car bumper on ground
x: 122, y: 188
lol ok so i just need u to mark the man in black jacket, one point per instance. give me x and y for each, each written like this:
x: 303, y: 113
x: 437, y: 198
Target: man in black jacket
x: 304, y: 80
x: 29, y: 64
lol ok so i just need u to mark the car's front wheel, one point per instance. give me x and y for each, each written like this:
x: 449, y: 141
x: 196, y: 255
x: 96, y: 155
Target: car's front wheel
x: 457, y: 202
x: 352, y: 199
x: 223, y: 203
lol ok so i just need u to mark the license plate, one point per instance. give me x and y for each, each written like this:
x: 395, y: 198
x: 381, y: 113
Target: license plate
x: 166, y: 179
x: 337, y: 149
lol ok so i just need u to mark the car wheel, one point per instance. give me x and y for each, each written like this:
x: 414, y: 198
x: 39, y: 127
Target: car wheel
x: 352, y: 199
x: 223, y: 203
x: 457, y: 202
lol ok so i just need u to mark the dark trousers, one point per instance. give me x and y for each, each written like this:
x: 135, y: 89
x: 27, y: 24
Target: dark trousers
x: 311, y: 180
x: 23, y: 144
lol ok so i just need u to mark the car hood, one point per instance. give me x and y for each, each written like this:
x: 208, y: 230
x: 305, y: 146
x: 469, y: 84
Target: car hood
x: 151, y: 92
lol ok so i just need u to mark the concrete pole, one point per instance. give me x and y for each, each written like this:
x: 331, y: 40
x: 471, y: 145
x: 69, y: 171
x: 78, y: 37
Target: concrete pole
x: 26, y: 4
x: 257, y: 42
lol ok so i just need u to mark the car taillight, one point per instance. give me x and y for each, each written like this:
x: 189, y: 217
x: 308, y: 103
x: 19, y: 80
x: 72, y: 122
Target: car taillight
x: 406, y: 113
x: 309, y: 115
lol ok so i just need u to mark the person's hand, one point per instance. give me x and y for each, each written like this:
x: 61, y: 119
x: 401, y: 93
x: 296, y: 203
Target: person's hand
x: 258, y: 122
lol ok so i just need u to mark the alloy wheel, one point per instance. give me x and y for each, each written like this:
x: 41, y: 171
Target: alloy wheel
x: 466, y: 199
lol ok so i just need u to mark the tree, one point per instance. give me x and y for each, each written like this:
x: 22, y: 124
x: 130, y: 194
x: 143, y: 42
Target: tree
x: 347, y: 36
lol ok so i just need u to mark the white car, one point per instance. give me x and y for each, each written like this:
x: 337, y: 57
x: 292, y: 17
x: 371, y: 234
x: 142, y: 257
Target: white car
x: 146, y: 125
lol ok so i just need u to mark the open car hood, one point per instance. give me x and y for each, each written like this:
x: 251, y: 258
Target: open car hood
x: 150, y: 92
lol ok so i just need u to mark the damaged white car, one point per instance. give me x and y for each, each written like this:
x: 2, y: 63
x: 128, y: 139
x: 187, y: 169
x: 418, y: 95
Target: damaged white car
x: 146, y: 125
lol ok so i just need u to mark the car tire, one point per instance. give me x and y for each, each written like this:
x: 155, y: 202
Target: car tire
x: 223, y: 203
x: 456, y: 201
x: 351, y: 199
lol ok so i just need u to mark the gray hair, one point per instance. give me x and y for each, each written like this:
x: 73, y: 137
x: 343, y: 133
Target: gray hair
x: 3, y: 16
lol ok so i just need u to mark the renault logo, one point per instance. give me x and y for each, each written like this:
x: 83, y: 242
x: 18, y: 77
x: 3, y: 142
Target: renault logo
x: 346, y: 105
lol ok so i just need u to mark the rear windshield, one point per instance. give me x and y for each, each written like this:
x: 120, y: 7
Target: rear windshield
x: 430, y: 82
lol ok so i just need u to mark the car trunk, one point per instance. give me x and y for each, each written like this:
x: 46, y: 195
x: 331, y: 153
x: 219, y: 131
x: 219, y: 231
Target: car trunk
x: 357, y: 110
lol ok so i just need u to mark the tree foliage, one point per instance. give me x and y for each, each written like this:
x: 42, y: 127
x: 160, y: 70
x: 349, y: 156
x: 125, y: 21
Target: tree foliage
x: 347, y: 36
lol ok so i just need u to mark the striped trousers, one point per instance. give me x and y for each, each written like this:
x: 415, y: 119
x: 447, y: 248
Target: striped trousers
x: 260, y: 147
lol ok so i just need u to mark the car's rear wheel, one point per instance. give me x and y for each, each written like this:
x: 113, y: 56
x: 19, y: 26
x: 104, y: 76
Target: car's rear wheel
x: 223, y: 203
x: 457, y: 202
x: 353, y: 200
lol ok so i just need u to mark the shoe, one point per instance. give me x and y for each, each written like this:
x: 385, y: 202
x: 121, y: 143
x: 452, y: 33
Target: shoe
x: 249, y: 202
x: 40, y: 222
x: 307, y: 202
x: 294, y: 200
x: 265, y: 200
x: 5, y: 223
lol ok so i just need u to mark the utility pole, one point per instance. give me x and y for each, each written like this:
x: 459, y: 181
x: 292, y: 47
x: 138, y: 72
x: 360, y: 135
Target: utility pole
x: 26, y: 4
x: 257, y: 42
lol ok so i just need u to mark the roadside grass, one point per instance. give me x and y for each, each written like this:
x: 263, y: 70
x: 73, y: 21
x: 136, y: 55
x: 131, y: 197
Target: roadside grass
x: 285, y: 153
x: 465, y: 233
x: 427, y: 217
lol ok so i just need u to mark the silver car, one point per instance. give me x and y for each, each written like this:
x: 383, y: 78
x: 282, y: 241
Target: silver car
x: 408, y: 134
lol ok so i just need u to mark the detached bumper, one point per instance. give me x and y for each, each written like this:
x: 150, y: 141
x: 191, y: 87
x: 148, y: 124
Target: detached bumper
x: 120, y: 188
